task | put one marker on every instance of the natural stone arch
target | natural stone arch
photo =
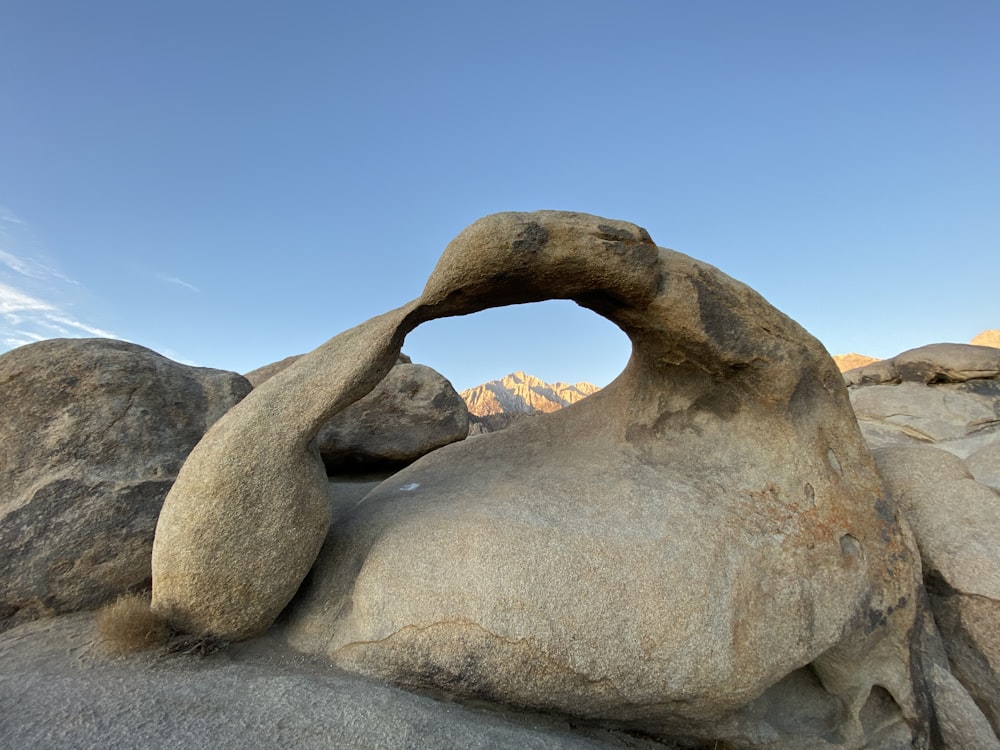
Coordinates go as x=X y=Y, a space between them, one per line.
x=728 y=415
x=254 y=481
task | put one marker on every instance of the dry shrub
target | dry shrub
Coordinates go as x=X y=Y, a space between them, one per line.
x=128 y=625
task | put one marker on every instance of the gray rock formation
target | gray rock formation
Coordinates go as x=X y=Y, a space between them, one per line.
x=92 y=434
x=960 y=723
x=956 y=521
x=931 y=364
x=947 y=395
x=413 y=411
x=961 y=418
x=703 y=549
x=984 y=464
x=923 y=412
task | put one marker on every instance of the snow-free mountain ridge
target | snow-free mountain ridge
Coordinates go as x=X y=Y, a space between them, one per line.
x=520 y=392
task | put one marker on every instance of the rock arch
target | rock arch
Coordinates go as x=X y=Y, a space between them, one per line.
x=717 y=524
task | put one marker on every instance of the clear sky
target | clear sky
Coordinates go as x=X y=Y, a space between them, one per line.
x=229 y=183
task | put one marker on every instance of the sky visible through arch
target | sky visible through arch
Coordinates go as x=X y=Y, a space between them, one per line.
x=232 y=183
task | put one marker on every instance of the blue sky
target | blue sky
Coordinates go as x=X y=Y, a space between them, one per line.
x=229 y=183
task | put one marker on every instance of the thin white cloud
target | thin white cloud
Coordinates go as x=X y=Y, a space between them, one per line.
x=179 y=282
x=8 y=216
x=27 y=318
x=81 y=326
x=25 y=266
x=17 y=235
x=13 y=301
x=52 y=329
x=35 y=298
x=12 y=342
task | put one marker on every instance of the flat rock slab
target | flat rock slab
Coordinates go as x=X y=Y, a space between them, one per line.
x=961 y=418
x=933 y=363
x=59 y=689
x=985 y=464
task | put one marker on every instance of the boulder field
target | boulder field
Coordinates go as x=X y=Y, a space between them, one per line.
x=706 y=553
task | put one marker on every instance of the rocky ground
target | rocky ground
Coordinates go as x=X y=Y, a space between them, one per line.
x=59 y=688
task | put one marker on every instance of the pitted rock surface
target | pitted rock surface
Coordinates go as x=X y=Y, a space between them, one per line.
x=669 y=554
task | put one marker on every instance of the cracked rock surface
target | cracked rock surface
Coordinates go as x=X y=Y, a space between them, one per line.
x=93 y=433
x=932 y=418
x=946 y=395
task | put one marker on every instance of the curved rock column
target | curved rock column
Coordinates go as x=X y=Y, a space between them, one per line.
x=250 y=509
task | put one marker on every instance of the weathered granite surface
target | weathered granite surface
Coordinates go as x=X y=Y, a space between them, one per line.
x=702 y=542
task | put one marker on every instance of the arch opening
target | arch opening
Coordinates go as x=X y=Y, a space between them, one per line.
x=555 y=341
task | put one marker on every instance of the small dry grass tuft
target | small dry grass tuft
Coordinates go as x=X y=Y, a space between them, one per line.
x=129 y=625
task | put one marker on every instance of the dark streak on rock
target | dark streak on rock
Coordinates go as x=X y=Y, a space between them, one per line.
x=532 y=238
x=886 y=509
x=615 y=234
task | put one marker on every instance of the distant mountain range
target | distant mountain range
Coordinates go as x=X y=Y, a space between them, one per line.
x=520 y=393
x=523 y=393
